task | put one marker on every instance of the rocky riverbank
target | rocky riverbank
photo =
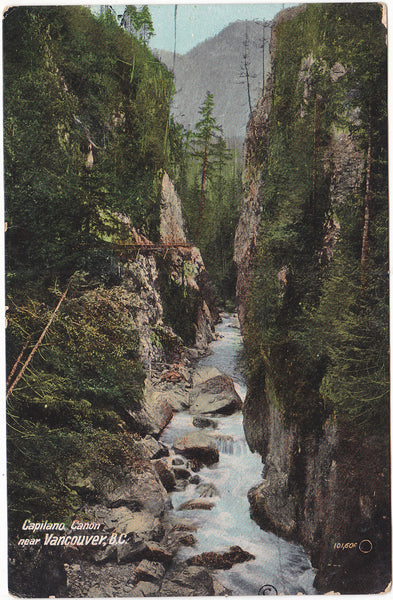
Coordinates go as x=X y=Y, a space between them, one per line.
x=129 y=498
x=133 y=504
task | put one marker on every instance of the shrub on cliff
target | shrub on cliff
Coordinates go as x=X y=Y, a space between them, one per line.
x=71 y=406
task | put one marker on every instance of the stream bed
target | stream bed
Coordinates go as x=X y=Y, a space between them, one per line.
x=279 y=567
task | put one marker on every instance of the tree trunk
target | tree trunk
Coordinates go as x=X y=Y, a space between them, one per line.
x=366 y=225
x=23 y=369
x=203 y=187
x=317 y=125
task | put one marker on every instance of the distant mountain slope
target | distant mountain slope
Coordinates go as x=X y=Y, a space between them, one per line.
x=216 y=65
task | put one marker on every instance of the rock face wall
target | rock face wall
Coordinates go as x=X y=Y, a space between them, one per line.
x=248 y=226
x=172 y=224
x=328 y=493
x=257 y=136
x=140 y=278
x=186 y=263
x=329 y=490
x=159 y=346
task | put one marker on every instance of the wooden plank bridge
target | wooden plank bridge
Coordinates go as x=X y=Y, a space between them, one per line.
x=144 y=247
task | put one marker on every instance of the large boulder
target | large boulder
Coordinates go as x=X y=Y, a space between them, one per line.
x=176 y=395
x=143 y=523
x=207 y=490
x=203 y=422
x=202 y=374
x=141 y=490
x=149 y=570
x=197 y=504
x=273 y=506
x=221 y=560
x=215 y=396
x=165 y=474
x=135 y=551
x=197 y=445
x=149 y=448
x=154 y=414
x=182 y=473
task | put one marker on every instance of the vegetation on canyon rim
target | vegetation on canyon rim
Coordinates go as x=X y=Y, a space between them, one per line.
x=317 y=326
x=88 y=134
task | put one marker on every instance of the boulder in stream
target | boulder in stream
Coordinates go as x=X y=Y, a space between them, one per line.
x=221 y=560
x=187 y=539
x=181 y=473
x=174 y=394
x=203 y=422
x=197 y=504
x=207 y=490
x=202 y=374
x=195 y=479
x=215 y=396
x=197 y=445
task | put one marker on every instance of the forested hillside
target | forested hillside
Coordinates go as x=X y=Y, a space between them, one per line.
x=87 y=137
x=316 y=314
x=325 y=301
x=87 y=93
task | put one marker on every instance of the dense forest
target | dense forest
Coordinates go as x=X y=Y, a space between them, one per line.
x=209 y=180
x=317 y=326
x=315 y=296
x=88 y=137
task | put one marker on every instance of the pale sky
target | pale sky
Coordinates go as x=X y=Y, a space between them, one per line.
x=197 y=22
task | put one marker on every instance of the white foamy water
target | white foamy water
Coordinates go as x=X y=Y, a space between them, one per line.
x=278 y=563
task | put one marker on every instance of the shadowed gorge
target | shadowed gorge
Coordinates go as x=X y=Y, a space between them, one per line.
x=197 y=340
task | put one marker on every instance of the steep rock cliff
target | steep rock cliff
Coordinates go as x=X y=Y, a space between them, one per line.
x=148 y=280
x=326 y=481
x=146 y=277
x=247 y=230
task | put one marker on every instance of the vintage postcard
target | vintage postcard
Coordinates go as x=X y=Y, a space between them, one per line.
x=197 y=291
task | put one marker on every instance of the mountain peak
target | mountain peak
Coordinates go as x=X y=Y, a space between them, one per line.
x=217 y=65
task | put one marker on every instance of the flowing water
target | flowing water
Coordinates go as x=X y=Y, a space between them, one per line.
x=278 y=563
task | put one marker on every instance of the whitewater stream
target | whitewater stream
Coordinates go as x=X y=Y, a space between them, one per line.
x=279 y=567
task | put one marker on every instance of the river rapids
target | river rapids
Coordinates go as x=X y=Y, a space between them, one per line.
x=280 y=567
